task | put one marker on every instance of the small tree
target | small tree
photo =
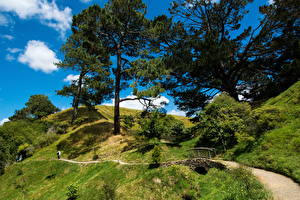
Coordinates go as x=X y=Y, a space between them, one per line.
x=72 y=192
x=156 y=155
x=38 y=106
x=223 y=123
x=156 y=124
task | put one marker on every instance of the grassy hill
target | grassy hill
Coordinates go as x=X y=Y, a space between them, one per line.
x=278 y=148
x=42 y=176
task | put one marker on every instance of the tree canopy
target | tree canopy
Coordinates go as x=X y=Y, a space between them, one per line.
x=119 y=30
x=94 y=83
x=210 y=51
x=37 y=107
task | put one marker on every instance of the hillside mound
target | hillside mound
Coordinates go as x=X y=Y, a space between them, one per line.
x=278 y=147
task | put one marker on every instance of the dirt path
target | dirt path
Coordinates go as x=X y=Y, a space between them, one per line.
x=282 y=188
x=99 y=161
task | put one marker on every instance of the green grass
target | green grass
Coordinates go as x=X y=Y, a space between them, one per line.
x=277 y=149
x=43 y=177
x=45 y=180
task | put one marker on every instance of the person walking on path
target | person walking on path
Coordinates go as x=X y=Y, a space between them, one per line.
x=58 y=154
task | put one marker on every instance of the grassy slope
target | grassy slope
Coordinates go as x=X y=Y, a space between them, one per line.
x=278 y=149
x=43 y=177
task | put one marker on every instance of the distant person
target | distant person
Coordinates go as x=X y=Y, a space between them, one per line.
x=58 y=154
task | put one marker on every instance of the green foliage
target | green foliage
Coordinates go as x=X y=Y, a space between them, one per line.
x=37 y=107
x=276 y=150
x=204 y=57
x=109 y=191
x=238 y=184
x=156 y=155
x=267 y=118
x=46 y=139
x=21 y=137
x=46 y=178
x=222 y=123
x=128 y=121
x=156 y=124
x=275 y=126
x=72 y=192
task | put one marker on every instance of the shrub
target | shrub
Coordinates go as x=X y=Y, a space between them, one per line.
x=37 y=107
x=157 y=124
x=26 y=150
x=222 y=123
x=109 y=191
x=72 y=192
x=61 y=128
x=128 y=121
x=95 y=157
x=156 y=155
x=46 y=139
x=266 y=118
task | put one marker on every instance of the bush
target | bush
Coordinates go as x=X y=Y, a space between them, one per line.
x=46 y=140
x=156 y=124
x=37 y=107
x=266 y=118
x=156 y=155
x=72 y=192
x=128 y=121
x=26 y=150
x=95 y=157
x=109 y=190
x=222 y=123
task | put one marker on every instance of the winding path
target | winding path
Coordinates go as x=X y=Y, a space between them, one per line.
x=99 y=161
x=281 y=187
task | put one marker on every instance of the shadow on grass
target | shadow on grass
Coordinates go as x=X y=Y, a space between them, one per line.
x=140 y=146
x=85 y=115
x=83 y=140
x=153 y=166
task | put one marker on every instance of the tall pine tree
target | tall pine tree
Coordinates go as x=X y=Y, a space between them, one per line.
x=215 y=53
x=121 y=27
x=94 y=83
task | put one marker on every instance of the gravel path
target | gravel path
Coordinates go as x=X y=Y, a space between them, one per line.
x=99 y=161
x=282 y=188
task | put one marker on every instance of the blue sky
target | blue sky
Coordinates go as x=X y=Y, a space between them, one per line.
x=31 y=34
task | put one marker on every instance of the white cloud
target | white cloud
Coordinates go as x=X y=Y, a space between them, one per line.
x=70 y=78
x=3 y=121
x=176 y=112
x=9 y=57
x=85 y=1
x=270 y=1
x=47 y=12
x=135 y=104
x=6 y=20
x=13 y=50
x=3 y=20
x=39 y=57
x=8 y=37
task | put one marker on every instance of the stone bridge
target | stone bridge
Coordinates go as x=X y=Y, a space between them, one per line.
x=200 y=165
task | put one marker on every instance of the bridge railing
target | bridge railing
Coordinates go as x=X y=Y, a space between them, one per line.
x=203 y=152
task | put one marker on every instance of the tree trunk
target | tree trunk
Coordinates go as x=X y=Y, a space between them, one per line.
x=117 y=126
x=75 y=103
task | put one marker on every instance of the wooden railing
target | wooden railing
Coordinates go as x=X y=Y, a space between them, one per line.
x=203 y=152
